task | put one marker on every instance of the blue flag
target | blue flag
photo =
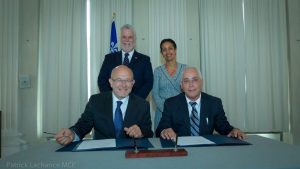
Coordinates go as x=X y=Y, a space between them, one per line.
x=113 y=38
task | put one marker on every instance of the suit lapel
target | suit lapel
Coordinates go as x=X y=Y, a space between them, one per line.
x=134 y=59
x=185 y=114
x=118 y=58
x=107 y=109
x=203 y=114
x=129 y=111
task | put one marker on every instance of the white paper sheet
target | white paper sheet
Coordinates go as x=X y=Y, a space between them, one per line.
x=193 y=140
x=96 y=144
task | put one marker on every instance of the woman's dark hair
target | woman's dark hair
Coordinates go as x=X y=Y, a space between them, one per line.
x=168 y=40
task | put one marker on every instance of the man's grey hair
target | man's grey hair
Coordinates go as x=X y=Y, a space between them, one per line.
x=130 y=27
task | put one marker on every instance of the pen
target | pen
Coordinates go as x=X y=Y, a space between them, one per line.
x=49 y=133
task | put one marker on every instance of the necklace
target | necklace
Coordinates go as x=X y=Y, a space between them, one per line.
x=171 y=69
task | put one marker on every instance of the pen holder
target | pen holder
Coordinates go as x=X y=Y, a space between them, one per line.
x=156 y=153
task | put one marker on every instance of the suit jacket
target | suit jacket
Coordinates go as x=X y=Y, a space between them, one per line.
x=176 y=116
x=140 y=65
x=98 y=115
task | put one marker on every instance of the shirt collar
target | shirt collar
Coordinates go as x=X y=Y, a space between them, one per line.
x=130 y=53
x=197 y=101
x=116 y=99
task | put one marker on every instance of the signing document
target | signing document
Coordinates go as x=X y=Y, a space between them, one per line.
x=97 y=144
x=193 y=140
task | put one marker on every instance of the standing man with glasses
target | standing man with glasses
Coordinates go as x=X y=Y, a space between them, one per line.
x=139 y=63
x=194 y=112
x=112 y=114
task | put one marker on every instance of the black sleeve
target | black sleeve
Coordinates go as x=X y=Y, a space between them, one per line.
x=104 y=75
x=85 y=123
x=147 y=84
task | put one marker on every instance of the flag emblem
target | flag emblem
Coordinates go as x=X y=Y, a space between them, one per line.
x=113 y=38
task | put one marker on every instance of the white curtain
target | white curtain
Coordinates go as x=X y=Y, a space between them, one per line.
x=167 y=19
x=266 y=65
x=62 y=79
x=9 y=51
x=244 y=61
x=101 y=15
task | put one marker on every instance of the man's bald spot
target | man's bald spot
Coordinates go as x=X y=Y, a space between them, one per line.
x=121 y=68
x=192 y=69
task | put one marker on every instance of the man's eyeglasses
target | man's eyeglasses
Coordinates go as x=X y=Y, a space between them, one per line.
x=121 y=81
x=191 y=80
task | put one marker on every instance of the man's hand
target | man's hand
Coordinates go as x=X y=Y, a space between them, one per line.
x=64 y=136
x=237 y=133
x=168 y=134
x=134 y=131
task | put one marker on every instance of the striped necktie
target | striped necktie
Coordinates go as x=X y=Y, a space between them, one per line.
x=194 y=120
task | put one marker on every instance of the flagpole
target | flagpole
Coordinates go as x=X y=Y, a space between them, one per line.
x=114 y=16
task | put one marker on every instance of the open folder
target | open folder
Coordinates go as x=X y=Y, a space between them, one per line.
x=107 y=144
x=200 y=141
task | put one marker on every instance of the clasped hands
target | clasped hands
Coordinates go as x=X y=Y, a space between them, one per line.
x=66 y=136
x=169 y=134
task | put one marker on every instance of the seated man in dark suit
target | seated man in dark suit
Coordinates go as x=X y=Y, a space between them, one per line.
x=194 y=112
x=112 y=114
x=140 y=65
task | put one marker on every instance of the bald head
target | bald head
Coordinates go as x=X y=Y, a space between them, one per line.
x=192 y=83
x=193 y=70
x=121 y=81
x=122 y=69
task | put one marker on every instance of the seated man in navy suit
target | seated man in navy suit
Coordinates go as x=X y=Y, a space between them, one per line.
x=194 y=112
x=112 y=114
x=140 y=65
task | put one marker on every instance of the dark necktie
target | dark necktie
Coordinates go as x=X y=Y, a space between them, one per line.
x=194 y=120
x=118 y=121
x=126 y=59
